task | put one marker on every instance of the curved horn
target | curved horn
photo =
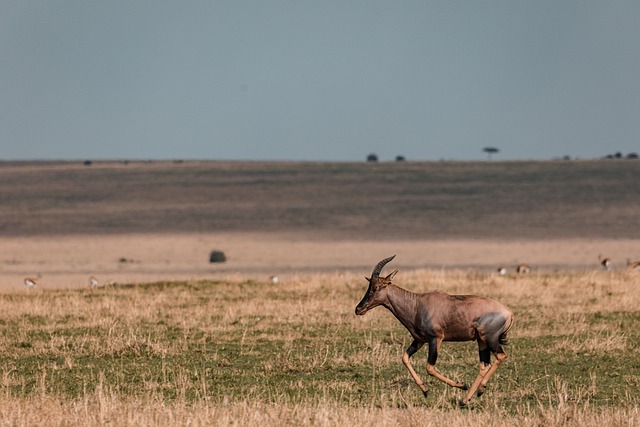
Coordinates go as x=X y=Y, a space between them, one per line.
x=378 y=268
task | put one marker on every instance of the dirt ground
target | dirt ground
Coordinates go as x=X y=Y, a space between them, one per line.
x=69 y=261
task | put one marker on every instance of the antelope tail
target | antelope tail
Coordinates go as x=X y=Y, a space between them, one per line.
x=503 y=339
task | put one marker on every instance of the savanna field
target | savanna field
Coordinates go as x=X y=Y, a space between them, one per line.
x=236 y=348
x=224 y=353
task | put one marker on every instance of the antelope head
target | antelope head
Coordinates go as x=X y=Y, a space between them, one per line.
x=377 y=288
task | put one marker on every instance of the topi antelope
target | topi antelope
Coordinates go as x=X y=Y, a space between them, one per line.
x=434 y=317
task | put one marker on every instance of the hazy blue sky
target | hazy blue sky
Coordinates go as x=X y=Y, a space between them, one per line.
x=318 y=80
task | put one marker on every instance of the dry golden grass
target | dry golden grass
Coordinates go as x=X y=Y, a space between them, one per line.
x=106 y=410
x=293 y=353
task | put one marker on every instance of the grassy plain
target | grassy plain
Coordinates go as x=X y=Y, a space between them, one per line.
x=294 y=353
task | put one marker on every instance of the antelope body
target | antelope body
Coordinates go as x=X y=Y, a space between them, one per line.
x=434 y=317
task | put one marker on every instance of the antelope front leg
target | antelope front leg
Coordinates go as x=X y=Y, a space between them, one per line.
x=415 y=346
x=434 y=346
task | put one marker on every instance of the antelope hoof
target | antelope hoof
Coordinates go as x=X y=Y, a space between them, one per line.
x=463 y=386
x=462 y=403
x=425 y=393
x=480 y=391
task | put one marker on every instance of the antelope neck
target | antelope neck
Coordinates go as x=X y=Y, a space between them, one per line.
x=403 y=305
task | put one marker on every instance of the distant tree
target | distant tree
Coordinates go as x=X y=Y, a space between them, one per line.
x=372 y=158
x=632 y=156
x=400 y=159
x=490 y=151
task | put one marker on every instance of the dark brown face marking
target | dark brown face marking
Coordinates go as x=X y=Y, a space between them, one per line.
x=373 y=297
x=361 y=307
x=367 y=301
x=376 y=283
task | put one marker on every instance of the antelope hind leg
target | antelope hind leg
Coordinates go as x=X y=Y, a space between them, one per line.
x=485 y=360
x=500 y=357
x=486 y=372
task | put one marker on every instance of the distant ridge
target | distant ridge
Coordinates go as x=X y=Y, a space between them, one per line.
x=414 y=200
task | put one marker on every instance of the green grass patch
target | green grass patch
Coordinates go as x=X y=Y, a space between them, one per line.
x=298 y=343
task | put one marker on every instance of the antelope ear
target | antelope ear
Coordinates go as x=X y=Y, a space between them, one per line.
x=391 y=275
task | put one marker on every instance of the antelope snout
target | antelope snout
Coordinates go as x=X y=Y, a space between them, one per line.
x=360 y=310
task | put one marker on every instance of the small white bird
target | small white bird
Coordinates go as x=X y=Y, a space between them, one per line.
x=93 y=282
x=30 y=282
x=274 y=279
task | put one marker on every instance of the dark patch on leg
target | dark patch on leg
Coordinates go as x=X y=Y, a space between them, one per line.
x=413 y=348
x=485 y=356
x=433 y=352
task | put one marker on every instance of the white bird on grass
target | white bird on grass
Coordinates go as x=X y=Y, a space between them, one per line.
x=30 y=282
